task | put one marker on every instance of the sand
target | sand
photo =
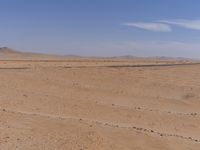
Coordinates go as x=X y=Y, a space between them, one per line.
x=99 y=104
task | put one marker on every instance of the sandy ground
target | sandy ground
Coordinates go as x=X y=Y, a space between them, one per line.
x=95 y=105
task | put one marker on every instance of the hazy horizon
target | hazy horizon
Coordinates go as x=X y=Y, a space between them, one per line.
x=92 y=56
x=102 y=28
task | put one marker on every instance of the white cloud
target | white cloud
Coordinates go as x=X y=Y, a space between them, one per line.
x=190 y=24
x=158 y=27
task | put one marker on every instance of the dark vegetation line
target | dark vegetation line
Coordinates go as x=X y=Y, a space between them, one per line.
x=14 y=68
x=134 y=66
x=154 y=65
x=112 y=66
x=67 y=60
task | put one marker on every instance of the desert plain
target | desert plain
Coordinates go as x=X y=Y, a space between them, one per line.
x=98 y=103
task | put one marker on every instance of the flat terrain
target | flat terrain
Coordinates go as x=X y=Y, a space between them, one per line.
x=99 y=104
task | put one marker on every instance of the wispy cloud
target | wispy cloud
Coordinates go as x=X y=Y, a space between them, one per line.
x=158 y=27
x=190 y=24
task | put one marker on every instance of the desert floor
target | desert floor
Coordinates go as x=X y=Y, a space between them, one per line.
x=99 y=105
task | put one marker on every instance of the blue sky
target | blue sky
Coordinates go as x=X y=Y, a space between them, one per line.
x=102 y=27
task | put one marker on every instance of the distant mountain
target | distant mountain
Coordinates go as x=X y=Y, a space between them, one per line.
x=7 y=50
x=126 y=57
x=162 y=58
x=10 y=54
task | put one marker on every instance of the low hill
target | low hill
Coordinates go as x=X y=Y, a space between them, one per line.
x=10 y=54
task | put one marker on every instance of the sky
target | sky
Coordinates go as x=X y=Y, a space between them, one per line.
x=168 y=28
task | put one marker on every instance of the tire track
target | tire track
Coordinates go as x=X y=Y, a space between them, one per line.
x=103 y=124
x=192 y=114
